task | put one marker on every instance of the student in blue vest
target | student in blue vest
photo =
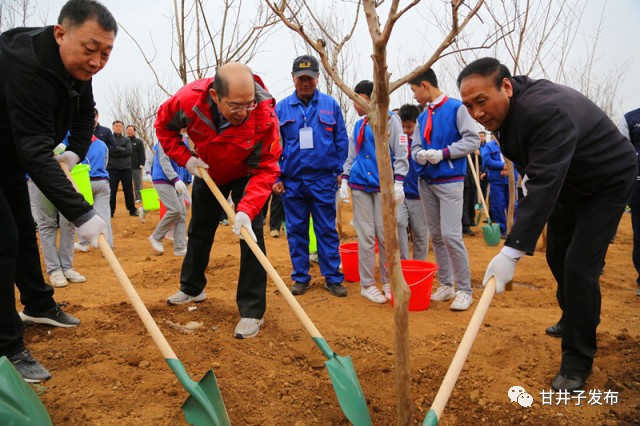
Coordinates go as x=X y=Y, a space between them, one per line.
x=630 y=127
x=443 y=137
x=411 y=211
x=361 y=175
x=314 y=148
x=97 y=158
x=171 y=190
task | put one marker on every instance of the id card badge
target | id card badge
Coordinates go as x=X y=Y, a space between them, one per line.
x=306 y=138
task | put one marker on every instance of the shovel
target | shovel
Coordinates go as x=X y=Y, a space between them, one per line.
x=440 y=401
x=19 y=404
x=491 y=231
x=341 y=371
x=204 y=406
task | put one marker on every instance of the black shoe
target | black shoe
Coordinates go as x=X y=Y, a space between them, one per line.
x=503 y=236
x=30 y=369
x=570 y=381
x=555 y=330
x=54 y=316
x=336 y=289
x=299 y=288
x=133 y=213
x=468 y=231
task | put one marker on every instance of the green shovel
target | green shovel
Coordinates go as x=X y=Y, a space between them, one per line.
x=19 y=404
x=449 y=381
x=341 y=371
x=204 y=406
x=491 y=231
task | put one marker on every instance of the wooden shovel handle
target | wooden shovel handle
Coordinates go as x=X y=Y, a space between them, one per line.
x=462 y=353
x=477 y=180
x=273 y=274
x=125 y=283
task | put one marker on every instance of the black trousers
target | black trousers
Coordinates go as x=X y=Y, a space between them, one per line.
x=19 y=264
x=251 y=294
x=277 y=212
x=115 y=177
x=578 y=235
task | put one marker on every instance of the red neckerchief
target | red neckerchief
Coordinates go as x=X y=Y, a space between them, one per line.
x=427 y=128
x=361 y=135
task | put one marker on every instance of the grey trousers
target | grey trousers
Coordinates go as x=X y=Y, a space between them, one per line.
x=46 y=216
x=175 y=216
x=367 y=219
x=411 y=213
x=443 y=206
x=136 y=175
x=101 y=204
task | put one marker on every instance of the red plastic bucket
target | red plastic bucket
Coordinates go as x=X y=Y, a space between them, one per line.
x=419 y=277
x=349 y=257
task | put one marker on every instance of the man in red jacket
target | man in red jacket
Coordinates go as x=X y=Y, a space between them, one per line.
x=231 y=121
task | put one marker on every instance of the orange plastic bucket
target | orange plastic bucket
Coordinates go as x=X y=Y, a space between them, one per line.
x=419 y=277
x=349 y=257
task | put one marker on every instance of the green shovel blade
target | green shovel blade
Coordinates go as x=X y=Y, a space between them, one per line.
x=491 y=233
x=431 y=419
x=204 y=406
x=19 y=405
x=345 y=383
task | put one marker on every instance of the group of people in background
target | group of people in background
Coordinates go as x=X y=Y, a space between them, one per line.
x=578 y=174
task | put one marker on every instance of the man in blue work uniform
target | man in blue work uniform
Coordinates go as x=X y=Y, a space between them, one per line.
x=314 y=148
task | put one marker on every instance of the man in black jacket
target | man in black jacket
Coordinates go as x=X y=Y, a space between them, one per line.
x=137 y=161
x=46 y=91
x=119 y=168
x=579 y=173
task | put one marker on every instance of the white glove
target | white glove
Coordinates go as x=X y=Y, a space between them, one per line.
x=344 y=191
x=180 y=187
x=421 y=157
x=69 y=157
x=242 y=220
x=502 y=267
x=398 y=187
x=91 y=229
x=434 y=156
x=523 y=186
x=193 y=164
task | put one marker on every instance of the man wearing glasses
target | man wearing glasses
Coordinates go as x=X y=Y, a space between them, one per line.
x=231 y=122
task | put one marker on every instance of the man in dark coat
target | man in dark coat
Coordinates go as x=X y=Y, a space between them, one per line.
x=579 y=173
x=45 y=93
x=137 y=161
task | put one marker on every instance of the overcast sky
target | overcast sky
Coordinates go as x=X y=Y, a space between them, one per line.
x=411 y=41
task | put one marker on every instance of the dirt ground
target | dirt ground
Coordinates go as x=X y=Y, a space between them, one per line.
x=108 y=371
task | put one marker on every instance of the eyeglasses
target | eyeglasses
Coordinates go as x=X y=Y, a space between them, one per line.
x=234 y=107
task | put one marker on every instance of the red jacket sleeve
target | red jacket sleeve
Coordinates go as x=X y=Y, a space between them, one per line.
x=170 y=119
x=264 y=170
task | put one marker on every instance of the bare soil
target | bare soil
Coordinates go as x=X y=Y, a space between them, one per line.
x=108 y=371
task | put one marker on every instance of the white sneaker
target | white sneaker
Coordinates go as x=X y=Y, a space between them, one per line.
x=181 y=298
x=81 y=247
x=74 y=276
x=462 y=302
x=248 y=327
x=157 y=245
x=373 y=293
x=180 y=252
x=313 y=257
x=386 y=289
x=443 y=293
x=57 y=279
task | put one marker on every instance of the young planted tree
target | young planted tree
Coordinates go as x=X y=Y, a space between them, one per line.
x=299 y=16
x=138 y=106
